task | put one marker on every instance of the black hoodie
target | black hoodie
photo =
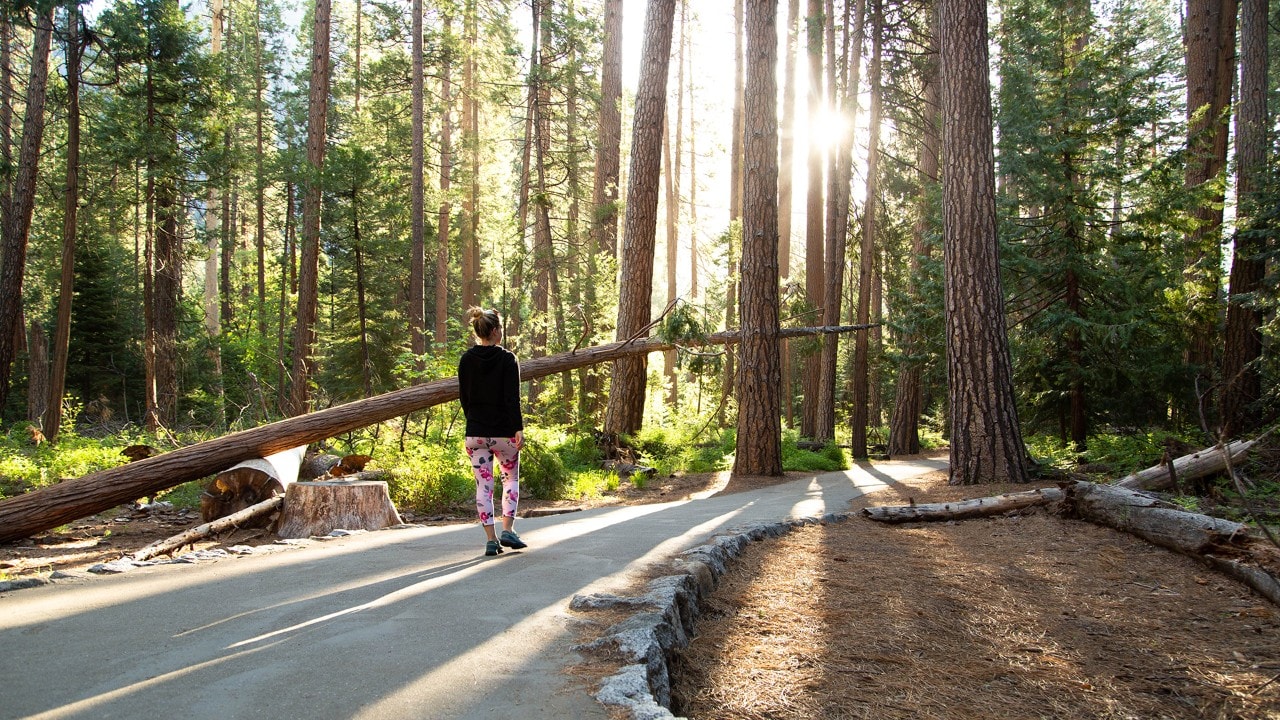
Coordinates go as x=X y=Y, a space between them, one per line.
x=489 y=390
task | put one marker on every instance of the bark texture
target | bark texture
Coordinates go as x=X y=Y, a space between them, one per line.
x=986 y=442
x=625 y=413
x=760 y=370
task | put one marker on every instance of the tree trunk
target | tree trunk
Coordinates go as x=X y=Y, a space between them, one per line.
x=6 y=119
x=760 y=374
x=13 y=261
x=787 y=146
x=417 y=214
x=319 y=508
x=57 y=372
x=904 y=425
x=259 y=174
x=964 y=509
x=1210 y=42
x=986 y=441
x=735 y=203
x=814 y=263
x=625 y=413
x=38 y=383
x=446 y=169
x=213 y=245
x=167 y=288
x=309 y=266
x=543 y=250
x=1186 y=468
x=1240 y=374
x=58 y=504
x=866 y=254
x=672 y=148
x=471 y=139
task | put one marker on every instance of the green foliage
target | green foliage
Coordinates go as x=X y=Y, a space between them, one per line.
x=542 y=471
x=1118 y=452
x=828 y=459
x=23 y=467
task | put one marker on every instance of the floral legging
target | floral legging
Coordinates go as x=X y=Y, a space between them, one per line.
x=484 y=451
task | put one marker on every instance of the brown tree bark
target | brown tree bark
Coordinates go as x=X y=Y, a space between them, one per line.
x=1240 y=376
x=908 y=405
x=735 y=202
x=52 y=416
x=417 y=191
x=470 y=221
x=1210 y=42
x=259 y=173
x=38 y=376
x=604 y=196
x=446 y=170
x=166 y=290
x=867 y=253
x=760 y=372
x=986 y=441
x=13 y=261
x=543 y=250
x=815 y=241
x=55 y=505
x=625 y=412
x=672 y=149
x=787 y=144
x=6 y=116
x=309 y=266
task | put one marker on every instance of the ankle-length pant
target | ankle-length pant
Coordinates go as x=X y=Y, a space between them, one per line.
x=488 y=454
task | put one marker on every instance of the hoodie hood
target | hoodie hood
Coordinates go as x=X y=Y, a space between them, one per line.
x=488 y=355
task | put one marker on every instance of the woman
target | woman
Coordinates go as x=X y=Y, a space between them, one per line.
x=489 y=389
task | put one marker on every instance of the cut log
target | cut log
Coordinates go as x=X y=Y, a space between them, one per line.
x=55 y=505
x=199 y=532
x=977 y=507
x=319 y=508
x=1186 y=468
x=250 y=482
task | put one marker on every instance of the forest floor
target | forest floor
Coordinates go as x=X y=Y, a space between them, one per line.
x=1028 y=616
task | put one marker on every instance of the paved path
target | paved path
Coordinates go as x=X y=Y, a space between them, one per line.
x=410 y=623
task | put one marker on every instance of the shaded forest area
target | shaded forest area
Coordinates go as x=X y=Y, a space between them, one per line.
x=1056 y=219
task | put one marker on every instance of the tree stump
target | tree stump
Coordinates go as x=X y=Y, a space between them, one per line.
x=249 y=483
x=318 y=508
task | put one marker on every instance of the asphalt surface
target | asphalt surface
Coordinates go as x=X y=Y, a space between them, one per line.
x=404 y=623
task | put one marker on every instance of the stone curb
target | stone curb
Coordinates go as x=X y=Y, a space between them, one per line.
x=663 y=618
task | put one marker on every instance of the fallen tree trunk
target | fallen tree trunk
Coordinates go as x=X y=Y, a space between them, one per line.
x=199 y=532
x=249 y=482
x=69 y=500
x=977 y=507
x=1186 y=468
x=1222 y=544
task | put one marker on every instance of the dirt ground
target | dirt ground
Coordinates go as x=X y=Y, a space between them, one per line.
x=1030 y=616
x=1018 y=617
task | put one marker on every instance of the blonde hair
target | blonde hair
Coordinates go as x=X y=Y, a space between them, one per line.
x=483 y=322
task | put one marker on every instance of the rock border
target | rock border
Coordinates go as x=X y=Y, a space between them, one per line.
x=663 y=618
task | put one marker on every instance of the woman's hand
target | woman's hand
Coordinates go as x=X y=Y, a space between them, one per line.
x=519 y=438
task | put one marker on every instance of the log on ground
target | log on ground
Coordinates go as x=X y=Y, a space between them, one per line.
x=1186 y=468
x=976 y=507
x=319 y=508
x=243 y=518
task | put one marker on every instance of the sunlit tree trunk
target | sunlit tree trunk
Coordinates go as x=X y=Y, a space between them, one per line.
x=543 y=251
x=446 y=170
x=672 y=149
x=1240 y=375
x=52 y=416
x=259 y=173
x=417 y=191
x=625 y=412
x=759 y=449
x=814 y=270
x=470 y=220
x=6 y=117
x=309 y=263
x=14 y=258
x=787 y=143
x=213 y=246
x=986 y=441
x=735 y=202
x=866 y=254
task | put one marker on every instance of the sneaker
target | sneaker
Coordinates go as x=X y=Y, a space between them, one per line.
x=512 y=540
x=492 y=548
